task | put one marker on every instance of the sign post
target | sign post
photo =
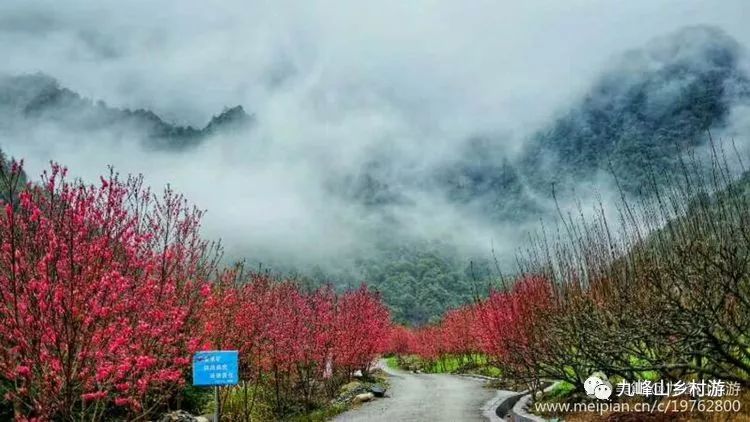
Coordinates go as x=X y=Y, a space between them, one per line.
x=217 y=399
x=215 y=368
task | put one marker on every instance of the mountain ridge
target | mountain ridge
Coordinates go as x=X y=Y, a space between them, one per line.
x=40 y=97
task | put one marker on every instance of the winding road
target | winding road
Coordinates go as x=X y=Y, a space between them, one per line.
x=425 y=397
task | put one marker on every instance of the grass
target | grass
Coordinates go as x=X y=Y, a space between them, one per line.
x=561 y=390
x=320 y=415
x=234 y=398
x=475 y=364
x=447 y=365
x=392 y=362
x=490 y=371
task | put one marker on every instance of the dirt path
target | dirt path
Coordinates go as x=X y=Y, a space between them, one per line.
x=425 y=397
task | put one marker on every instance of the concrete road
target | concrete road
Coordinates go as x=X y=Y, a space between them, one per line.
x=425 y=397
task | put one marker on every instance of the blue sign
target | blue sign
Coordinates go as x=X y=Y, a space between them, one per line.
x=216 y=367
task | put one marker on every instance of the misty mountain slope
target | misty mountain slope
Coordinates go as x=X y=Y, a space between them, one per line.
x=486 y=180
x=38 y=98
x=652 y=106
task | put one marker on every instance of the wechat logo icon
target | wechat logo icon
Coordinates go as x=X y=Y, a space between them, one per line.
x=597 y=386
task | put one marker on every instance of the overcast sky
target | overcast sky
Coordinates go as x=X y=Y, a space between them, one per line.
x=329 y=82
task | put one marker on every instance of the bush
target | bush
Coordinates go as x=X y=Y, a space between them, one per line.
x=99 y=287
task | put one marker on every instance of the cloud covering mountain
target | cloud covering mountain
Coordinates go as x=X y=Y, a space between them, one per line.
x=372 y=126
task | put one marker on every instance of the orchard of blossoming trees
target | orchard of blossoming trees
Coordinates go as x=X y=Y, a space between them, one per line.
x=295 y=343
x=502 y=329
x=106 y=290
x=663 y=293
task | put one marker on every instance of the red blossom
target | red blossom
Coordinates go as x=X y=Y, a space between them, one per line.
x=106 y=295
x=99 y=286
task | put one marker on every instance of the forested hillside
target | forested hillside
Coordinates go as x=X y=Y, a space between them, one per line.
x=642 y=115
x=637 y=121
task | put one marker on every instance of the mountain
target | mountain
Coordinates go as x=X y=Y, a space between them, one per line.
x=638 y=118
x=31 y=99
x=651 y=107
x=644 y=112
x=488 y=182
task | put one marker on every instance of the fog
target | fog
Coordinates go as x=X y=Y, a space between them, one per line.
x=332 y=86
